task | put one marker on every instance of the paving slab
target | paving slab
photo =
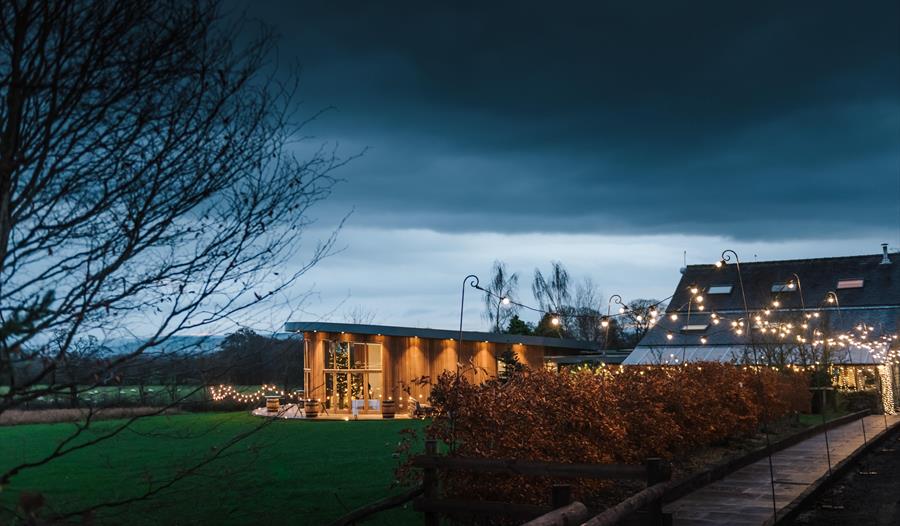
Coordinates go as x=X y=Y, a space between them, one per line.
x=744 y=498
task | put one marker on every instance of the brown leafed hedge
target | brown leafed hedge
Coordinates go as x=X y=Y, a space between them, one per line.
x=613 y=415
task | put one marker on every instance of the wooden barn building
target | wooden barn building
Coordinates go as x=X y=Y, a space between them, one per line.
x=353 y=367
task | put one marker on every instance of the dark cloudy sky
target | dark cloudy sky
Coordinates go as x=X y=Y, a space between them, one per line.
x=610 y=136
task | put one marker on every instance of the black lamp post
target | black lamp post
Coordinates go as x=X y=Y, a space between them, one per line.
x=726 y=257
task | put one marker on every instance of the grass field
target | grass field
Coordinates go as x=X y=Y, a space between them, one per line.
x=297 y=472
x=153 y=394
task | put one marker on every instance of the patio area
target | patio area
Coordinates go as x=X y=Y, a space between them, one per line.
x=295 y=411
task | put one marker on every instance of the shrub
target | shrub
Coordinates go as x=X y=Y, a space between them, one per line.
x=611 y=415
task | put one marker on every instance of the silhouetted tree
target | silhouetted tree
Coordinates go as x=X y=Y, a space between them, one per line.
x=517 y=326
x=552 y=291
x=145 y=181
x=508 y=364
x=638 y=319
x=503 y=284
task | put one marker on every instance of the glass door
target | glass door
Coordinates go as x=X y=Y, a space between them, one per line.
x=353 y=379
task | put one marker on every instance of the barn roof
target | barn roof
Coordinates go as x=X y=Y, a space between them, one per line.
x=866 y=287
x=440 y=334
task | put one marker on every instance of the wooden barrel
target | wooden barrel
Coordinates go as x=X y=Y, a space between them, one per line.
x=273 y=404
x=311 y=408
x=388 y=408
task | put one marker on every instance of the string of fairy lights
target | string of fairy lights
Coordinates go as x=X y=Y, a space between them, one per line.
x=860 y=336
x=221 y=392
x=802 y=331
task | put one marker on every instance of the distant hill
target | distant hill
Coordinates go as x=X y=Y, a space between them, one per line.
x=175 y=344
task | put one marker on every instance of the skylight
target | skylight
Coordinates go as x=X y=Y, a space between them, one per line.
x=695 y=328
x=783 y=287
x=719 y=289
x=850 y=284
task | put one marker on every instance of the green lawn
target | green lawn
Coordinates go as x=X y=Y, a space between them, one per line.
x=153 y=394
x=298 y=472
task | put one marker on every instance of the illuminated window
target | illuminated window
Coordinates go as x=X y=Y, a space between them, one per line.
x=719 y=289
x=352 y=377
x=695 y=328
x=850 y=284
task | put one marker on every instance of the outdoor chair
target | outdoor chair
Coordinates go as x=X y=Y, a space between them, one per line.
x=418 y=410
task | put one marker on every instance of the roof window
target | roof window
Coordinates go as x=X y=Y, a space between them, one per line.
x=719 y=289
x=695 y=328
x=787 y=286
x=850 y=284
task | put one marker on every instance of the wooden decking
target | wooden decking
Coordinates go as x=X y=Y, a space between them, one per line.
x=293 y=412
x=744 y=498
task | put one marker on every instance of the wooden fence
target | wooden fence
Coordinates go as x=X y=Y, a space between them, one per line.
x=560 y=509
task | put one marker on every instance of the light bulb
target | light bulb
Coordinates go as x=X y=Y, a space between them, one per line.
x=554 y=320
x=673 y=316
x=505 y=301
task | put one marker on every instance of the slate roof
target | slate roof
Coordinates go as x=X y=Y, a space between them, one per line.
x=881 y=283
x=876 y=304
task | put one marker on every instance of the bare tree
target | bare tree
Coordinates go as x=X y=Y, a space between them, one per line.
x=552 y=292
x=359 y=315
x=503 y=284
x=585 y=322
x=640 y=316
x=146 y=180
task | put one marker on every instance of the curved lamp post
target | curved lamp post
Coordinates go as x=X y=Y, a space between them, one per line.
x=726 y=257
x=472 y=281
x=605 y=322
x=824 y=365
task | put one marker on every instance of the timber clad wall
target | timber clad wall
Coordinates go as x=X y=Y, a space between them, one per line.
x=405 y=359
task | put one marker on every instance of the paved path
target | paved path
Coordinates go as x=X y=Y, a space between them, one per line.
x=744 y=498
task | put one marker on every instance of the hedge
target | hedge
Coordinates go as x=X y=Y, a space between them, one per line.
x=611 y=415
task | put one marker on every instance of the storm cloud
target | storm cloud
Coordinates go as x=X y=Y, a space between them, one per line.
x=620 y=138
x=756 y=120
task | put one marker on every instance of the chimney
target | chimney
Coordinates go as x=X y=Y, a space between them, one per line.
x=885 y=260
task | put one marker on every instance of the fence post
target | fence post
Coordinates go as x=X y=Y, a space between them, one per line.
x=430 y=484
x=657 y=471
x=560 y=495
